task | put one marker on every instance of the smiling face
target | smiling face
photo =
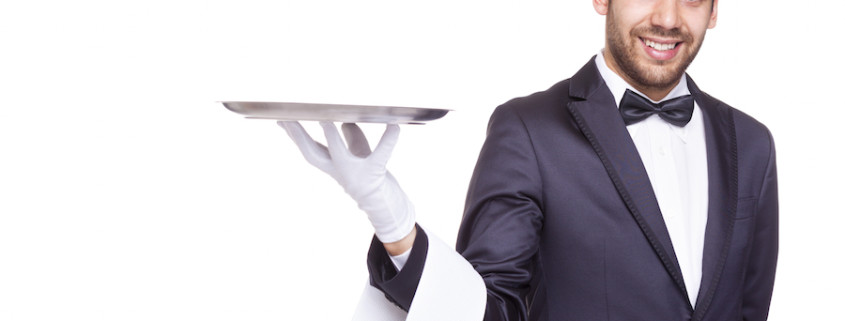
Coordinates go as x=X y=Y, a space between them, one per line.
x=650 y=43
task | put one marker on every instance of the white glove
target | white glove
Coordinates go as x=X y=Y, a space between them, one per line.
x=361 y=173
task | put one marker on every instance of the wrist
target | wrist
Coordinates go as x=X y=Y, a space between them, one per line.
x=402 y=245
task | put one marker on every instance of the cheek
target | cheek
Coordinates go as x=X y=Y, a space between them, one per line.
x=628 y=18
x=698 y=20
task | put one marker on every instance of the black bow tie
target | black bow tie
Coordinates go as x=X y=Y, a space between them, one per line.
x=634 y=108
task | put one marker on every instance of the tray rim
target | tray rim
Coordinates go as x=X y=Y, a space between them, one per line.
x=232 y=105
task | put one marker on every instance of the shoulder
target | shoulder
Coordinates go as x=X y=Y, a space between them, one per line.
x=746 y=126
x=537 y=106
x=752 y=144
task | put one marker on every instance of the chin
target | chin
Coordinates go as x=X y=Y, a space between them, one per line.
x=661 y=75
x=653 y=73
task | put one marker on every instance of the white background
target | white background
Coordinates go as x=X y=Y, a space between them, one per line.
x=128 y=193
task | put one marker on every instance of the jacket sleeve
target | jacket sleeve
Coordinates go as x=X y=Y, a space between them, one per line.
x=399 y=287
x=760 y=271
x=435 y=284
x=500 y=231
x=499 y=237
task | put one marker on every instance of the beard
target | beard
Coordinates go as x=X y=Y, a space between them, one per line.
x=648 y=74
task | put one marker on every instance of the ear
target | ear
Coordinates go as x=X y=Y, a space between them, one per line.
x=713 y=14
x=601 y=6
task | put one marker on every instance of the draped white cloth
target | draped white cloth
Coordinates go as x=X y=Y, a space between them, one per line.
x=449 y=289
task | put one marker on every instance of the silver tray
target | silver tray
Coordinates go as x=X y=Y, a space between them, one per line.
x=332 y=112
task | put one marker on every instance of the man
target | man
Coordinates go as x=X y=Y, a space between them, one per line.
x=622 y=193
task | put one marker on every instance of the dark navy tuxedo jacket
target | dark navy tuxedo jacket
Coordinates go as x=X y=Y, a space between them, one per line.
x=562 y=223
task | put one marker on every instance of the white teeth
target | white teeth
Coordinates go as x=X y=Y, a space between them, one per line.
x=659 y=46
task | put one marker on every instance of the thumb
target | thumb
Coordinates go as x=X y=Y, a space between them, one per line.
x=356 y=140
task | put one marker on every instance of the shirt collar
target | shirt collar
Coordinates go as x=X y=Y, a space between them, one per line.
x=617 y=87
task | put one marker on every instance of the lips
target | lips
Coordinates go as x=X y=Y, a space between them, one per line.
x=661 y=49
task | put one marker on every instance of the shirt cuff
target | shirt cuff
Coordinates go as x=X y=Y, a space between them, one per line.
x=400 y=260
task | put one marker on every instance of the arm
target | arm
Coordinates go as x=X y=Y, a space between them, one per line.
x=500 y=231
x=760 y=272
x=448 y=287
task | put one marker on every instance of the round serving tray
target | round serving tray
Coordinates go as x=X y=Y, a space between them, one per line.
x=334 y=112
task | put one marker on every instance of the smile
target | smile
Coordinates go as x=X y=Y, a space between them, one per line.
x=661 y=50
x=660 y=46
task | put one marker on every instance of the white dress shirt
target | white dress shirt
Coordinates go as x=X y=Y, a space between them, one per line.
x=675 y=159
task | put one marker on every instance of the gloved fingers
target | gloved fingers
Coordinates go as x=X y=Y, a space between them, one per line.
x=335 y=144
x=315 y=153
x=356 y=140
x=385 y=146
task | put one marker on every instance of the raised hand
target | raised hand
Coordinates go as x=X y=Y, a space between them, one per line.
x=362 y=173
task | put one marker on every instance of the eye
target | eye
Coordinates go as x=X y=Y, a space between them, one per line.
x=693 y=2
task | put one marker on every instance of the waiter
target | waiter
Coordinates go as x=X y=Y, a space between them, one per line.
x=622 y=193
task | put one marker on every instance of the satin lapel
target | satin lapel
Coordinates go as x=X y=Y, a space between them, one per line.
x=596 y=114
x=720 y=136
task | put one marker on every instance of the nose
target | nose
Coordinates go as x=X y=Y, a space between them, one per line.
x=666 y=14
